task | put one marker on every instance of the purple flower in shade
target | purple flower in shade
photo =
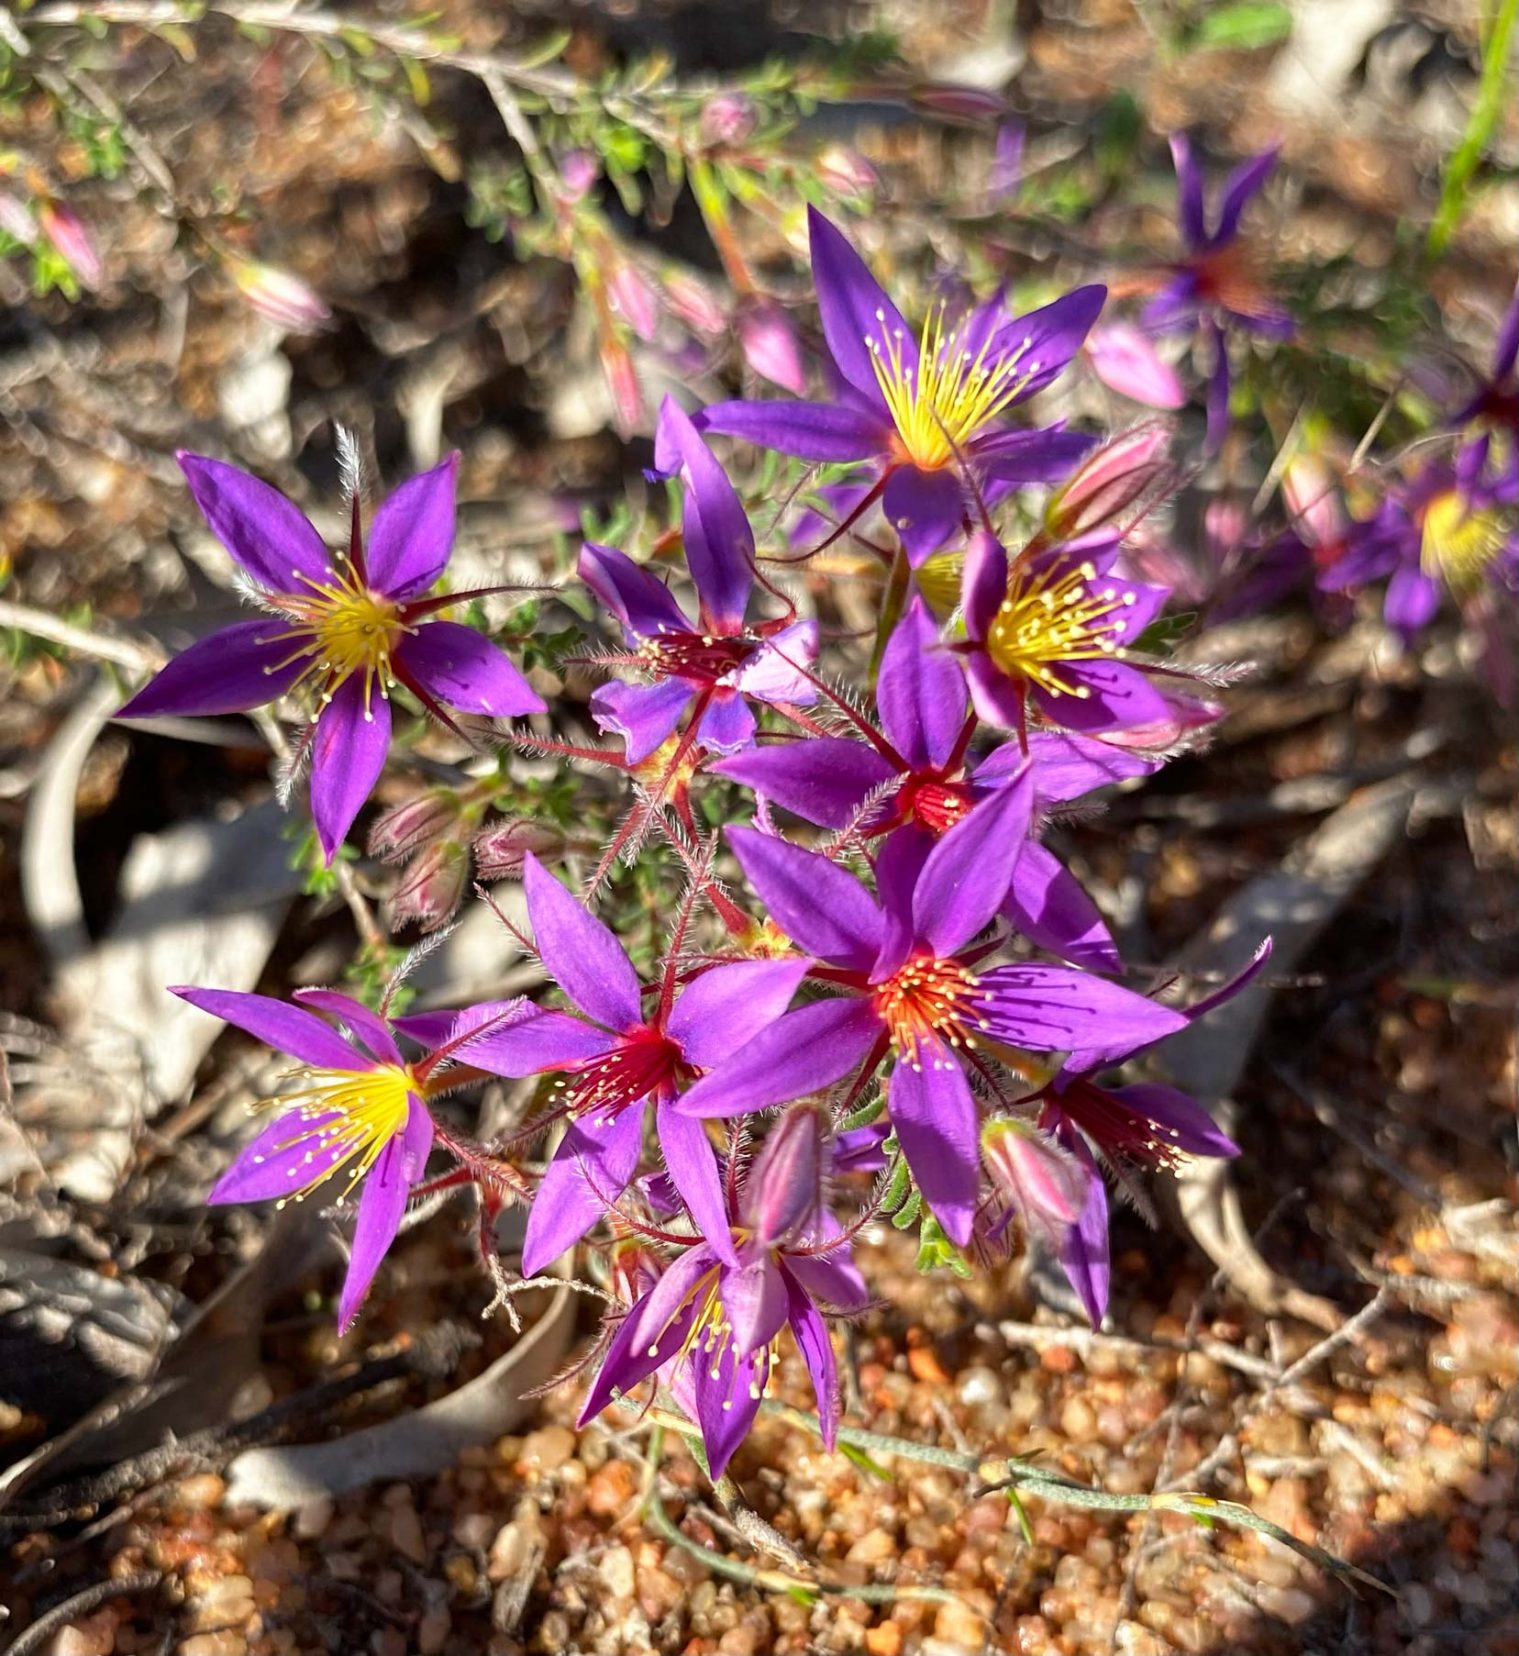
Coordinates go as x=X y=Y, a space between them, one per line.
x=1054 y=631
x=1141 y=1126
x=914 y=776
x=719 y=662
x=1495 y=404
x=1215 y=284
x=346 y=628
x=915 y=990
x=617 y=1056
x=1451 y=527
x=913 y=409
x=710 y=1322
x=358 y=1108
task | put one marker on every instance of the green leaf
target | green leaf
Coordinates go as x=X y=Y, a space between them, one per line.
x=1246 y=27
x=858 y=1457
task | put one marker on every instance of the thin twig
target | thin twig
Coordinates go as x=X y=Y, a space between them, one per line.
x=33 y=1638
x=39 y=624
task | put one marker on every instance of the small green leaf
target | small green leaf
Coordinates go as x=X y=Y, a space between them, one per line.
x=1246 y=27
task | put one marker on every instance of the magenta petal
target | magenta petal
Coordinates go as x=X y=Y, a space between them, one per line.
x=413 y=533
x=1240 y=187
x=1047 y=904
x=692 y=1165
x=823 y=779
x=541 y=1041
x=284 y=1027
x=592 y=1166
x=727 y=726
x=1119 y=697
x=997 y=699
x=967 y=873
x=644 y=715
x=635 y=595
x=754 y=1296
x=268 y=535
x=652 y=1332
x=1182 y=1121
x=823 y=432
x=1046 y=339
x=728 y=1005
x=347 y=755
x=1066 y=766
x=833 y=1279
x=1056 y=1008
x=1410 y=603
x=812 y=899
x=936 y=1124
x=228 y=671
x=460 y=667
x=1189 y=191
x=368 y=1026
x=1042 y=456
x=273 y=1164
x=924 y=507
x=1123 y=358
x=585 y=959
x=388 y=1183
x=983 y=583
x=854 y=309
x=719 y=543
x=773 y=673
x=800 y=1053
x=1084 y=1245
x=920 y=693
x=811 y=1334
x=726 y=1391
x=448 y=1023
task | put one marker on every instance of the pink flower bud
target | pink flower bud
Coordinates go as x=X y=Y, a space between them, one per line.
x=432 y=887
x=959 y=103
x=622 y=382
x=578 y=171
x=1045 y=1183
x=398 y=831
x=66 y=231
x=500 y=848
x=283 y=298
x=634 y=298
x=1123 y=358
x=845 y=171
x=728 y=118
x=1110 y=480
x=1314 y=504
x=768 y=338
x=784 y=1191
x=694 y=303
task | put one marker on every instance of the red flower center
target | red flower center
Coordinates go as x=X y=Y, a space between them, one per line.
x=929 y=1000
x=929 y=799
x=701 y=659
x=641 y=1063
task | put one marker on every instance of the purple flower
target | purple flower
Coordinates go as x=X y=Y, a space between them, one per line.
x=1055 y=630
x=617 y=1056
x=1450 y=528
x=913 y=775
x=359 y=1108
x=720 y=661
x=1216 y=284
x=347 y=628
x=914 y=990
x=912 y=408
x=710 y=1323
x=1495 y=404
x=1144 y=1125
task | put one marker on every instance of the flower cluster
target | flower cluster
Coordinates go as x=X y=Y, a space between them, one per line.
x=880 y=992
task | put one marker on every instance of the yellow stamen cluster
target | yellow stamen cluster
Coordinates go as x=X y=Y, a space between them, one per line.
x=930 y=1000
x=942 y=403
x=349 y=1117
x=710 y=1335
x=1055 y=613
x=1458 y=544
x=341 y=629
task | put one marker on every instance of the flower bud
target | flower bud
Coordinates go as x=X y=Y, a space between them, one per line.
x=283 y=298
x=432 y=887
x=728 y=118
x=425 y=816
x=16 y=220
x=768 y=338
x=694 y=303
x=1110 y=480
x=622 y=382
x=1044 y=1182
x=784 y=1191
x=578 y=171
x=66 y=231
x=959 y=103
x=1123 y=358
x=634 y=298
x=845 y=171
x=500 y=848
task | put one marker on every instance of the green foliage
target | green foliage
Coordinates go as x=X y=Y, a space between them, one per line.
x=1491 y=101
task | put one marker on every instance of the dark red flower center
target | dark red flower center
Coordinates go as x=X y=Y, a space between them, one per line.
x=1115 y=1127
x=701 y=659
x=641 y=1063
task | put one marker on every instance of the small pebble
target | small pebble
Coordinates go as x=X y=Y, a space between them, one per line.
x=548 y=1448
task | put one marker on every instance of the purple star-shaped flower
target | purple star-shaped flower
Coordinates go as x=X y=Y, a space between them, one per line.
x=719 y=662
x=359 y=1108
x=617 y=1056
x=915 y=990
x=710 y=1322
x=347 y=628
x=914 y=776
x=914 y=408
